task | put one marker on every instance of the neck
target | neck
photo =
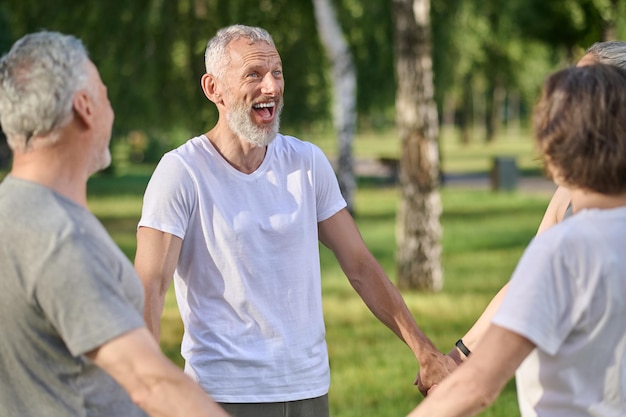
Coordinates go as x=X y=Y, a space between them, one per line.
x=53 y=169
x=585 y=199
x=239 y=153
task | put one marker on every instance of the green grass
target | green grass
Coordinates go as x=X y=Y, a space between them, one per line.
x=372 y=371
x=484 y=236
x=456 y=157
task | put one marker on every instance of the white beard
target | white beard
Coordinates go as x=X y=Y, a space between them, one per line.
x=101 y=161
x=240 y=123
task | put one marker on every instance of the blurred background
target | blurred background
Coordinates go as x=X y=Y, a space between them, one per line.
x=489 y=58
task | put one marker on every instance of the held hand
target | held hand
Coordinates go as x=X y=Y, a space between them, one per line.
x=457 y=356
x=435 y=371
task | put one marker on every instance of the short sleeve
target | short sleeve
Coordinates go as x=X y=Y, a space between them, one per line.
x=169 y=198
x=328 y=195
x=89 y=294
x=540 y=303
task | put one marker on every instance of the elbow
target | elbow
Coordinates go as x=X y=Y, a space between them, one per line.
x=140 y=397
x=484 y=396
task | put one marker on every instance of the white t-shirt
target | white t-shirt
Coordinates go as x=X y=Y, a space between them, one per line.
x=248 y=280
x=568 y=296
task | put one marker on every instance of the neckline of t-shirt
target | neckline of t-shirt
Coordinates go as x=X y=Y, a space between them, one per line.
x=269 y=153
x=13 y=181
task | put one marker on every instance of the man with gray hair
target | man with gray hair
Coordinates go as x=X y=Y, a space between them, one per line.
x=236 y=216
x=73 y=339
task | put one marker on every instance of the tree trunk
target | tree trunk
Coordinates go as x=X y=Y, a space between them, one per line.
x=418 y=221
x=493 y=113
x=609 y=29
x=344 y=93
x=513 y=122
x=466 y=113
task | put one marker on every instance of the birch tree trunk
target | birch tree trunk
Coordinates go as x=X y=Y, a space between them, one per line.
x=418 y=219
x=344 y=93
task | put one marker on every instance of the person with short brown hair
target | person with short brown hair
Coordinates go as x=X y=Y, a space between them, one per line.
x=561 y=326
x=559 y=207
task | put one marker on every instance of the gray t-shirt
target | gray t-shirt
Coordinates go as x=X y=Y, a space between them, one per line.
x=65 y=289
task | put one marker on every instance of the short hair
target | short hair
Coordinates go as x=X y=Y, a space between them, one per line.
x=580 y=127
x=39 y=77
x=215 y=55
x=610 y=53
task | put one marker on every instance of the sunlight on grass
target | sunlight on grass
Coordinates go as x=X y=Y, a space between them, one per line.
x=456 y=157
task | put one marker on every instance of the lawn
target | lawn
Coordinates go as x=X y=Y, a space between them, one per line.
x=372 y=371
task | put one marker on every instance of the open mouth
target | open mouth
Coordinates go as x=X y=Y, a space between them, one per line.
x=265 y=110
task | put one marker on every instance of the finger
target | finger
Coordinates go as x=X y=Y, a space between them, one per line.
x=420 y=386
x=431 y=389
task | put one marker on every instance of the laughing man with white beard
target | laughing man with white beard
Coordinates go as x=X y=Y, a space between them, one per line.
x=235 y=216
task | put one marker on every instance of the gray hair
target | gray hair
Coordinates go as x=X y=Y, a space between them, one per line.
x=609 y=53
x=215 y=55
x=39 y=77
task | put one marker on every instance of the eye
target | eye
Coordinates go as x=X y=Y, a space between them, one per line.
x=278 y=73
x=252 y=75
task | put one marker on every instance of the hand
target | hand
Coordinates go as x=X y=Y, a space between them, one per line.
x=457 y=356
x=435 y=370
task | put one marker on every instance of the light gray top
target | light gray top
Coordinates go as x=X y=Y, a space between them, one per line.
x=65 y=289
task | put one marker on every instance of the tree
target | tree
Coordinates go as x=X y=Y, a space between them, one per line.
x=418 y=218
x=344 y=96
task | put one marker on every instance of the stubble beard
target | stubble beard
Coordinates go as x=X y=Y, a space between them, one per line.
x=101 y=161
x=241 y=124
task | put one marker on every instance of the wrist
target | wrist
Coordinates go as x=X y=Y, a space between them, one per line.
x=463 y=350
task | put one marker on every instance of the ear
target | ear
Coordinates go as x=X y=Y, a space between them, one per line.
x=83 y=108
x=210 y=88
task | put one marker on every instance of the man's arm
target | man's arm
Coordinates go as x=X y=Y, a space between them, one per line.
x=341 y=235
x=554 y=214
x=556 y=208
x=155 y=261
x=477 y=383
x=479 y=328
x=155 y=384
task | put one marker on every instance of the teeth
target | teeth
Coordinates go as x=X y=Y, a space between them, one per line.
x=262 y=105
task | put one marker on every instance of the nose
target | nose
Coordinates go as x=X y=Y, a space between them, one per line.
x=271 y=85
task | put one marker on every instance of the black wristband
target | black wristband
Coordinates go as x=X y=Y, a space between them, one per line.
x=463 y=348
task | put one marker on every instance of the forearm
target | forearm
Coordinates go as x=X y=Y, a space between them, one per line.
x=155 y=262
x=478 y=330
x=464 y=394
x=153 y=310
x=477 y=383
x=156 y=385
x=386 y=303
x=172 y=393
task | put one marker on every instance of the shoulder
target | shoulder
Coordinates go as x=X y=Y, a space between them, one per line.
x=292 y=145
x=188 y=149
x=183 y=159
x=577 y=236
x=40 y=207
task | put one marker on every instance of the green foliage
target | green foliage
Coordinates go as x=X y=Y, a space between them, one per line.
x=566 y=23
x=150 y=52
x=368 y=29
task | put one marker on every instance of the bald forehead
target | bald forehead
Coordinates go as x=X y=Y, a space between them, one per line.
x=588 y=59
x=243 y=50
